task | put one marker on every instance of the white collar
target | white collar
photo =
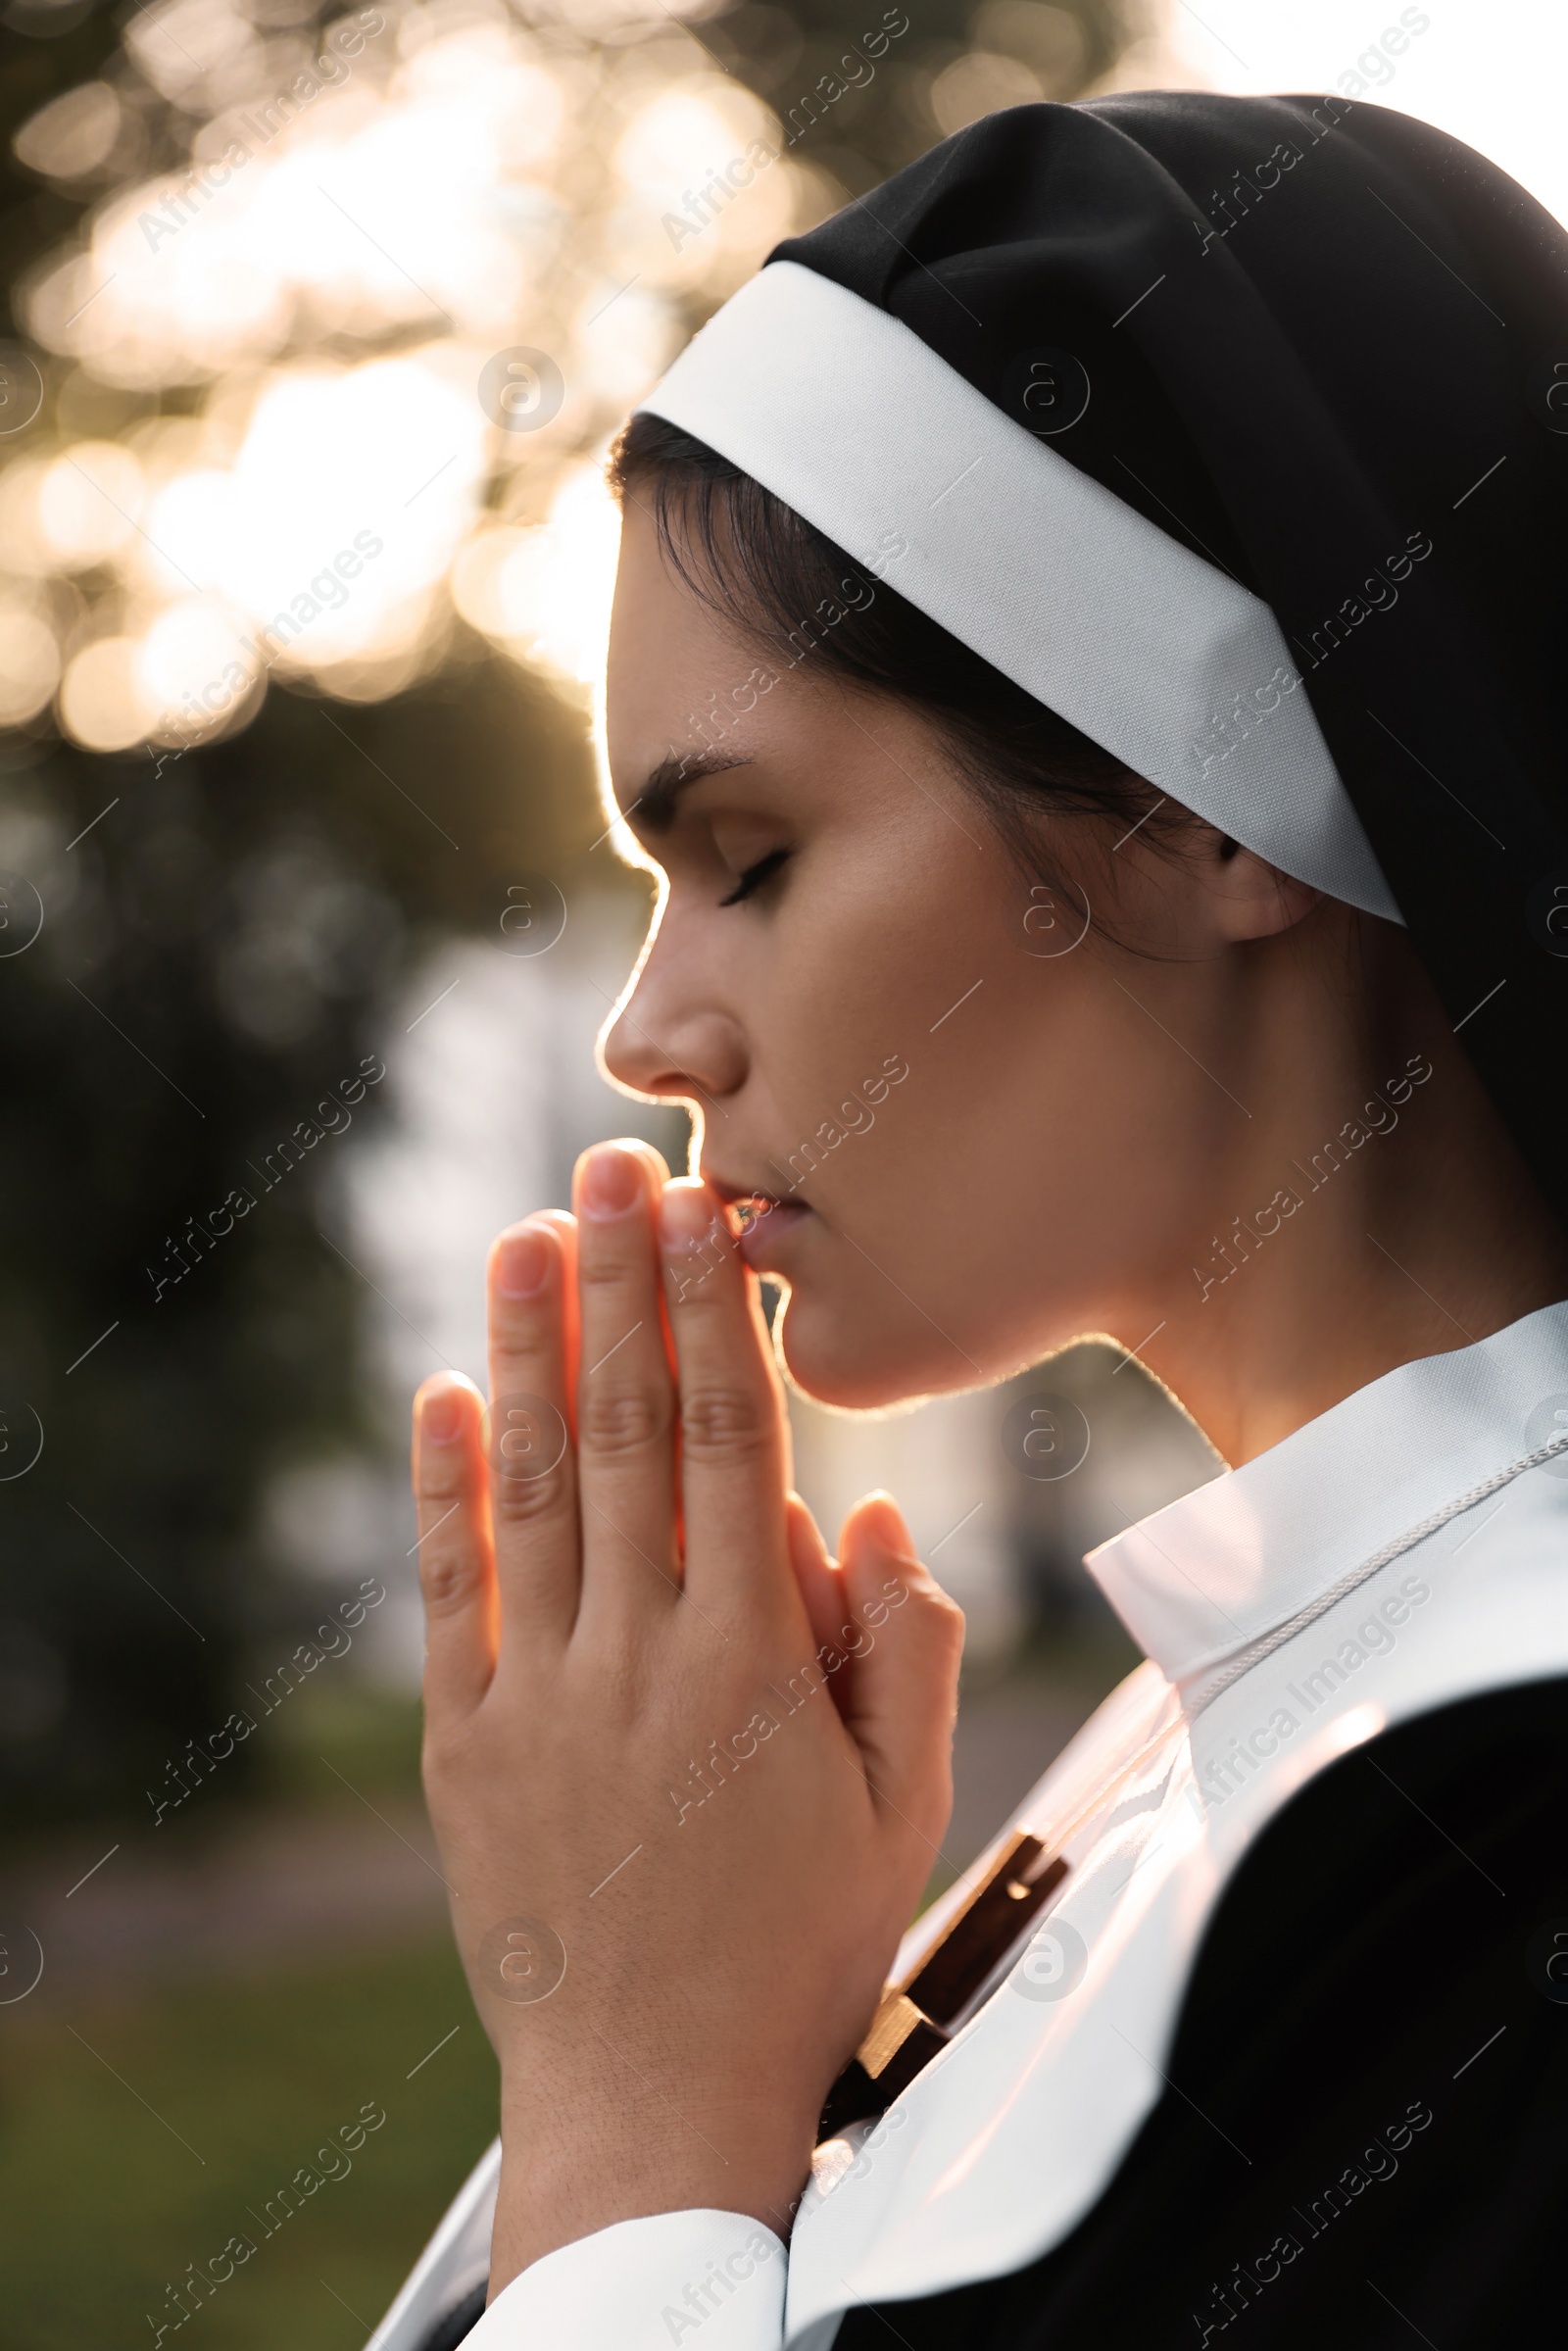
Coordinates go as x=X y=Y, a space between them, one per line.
x=1197 y=1581
x=999 y=2147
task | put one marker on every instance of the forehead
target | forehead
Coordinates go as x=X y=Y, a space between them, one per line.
x=684 y=687
x=668 y=656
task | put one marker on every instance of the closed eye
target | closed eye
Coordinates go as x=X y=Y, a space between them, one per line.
x=755 y=877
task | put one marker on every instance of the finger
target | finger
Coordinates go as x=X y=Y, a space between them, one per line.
x=653 y=1157
x=823 y=1592
x=732 y=1442
x=902 y=1698
x=565 y=1225
x=625 y=1392
x=533 y=1501
x=457 y=1575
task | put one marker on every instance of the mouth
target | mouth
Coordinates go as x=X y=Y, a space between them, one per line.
x=766 y=1220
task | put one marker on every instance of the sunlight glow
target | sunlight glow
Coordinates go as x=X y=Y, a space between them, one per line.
x=373 y=212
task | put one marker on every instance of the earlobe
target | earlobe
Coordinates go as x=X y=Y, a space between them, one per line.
x=1252 y=899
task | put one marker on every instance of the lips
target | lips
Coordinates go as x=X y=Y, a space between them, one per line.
x=766 y=1220
x=763 y=1238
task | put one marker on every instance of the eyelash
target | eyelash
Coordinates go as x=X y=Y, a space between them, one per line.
x=755 y=877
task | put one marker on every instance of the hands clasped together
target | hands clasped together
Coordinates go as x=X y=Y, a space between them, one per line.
x=687 y=1772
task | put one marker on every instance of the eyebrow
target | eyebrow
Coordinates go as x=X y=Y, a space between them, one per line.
x=670 y=778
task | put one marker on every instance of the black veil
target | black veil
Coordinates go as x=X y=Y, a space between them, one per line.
x=1326 y=346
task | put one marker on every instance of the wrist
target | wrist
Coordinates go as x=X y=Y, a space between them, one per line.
x=567 y=2176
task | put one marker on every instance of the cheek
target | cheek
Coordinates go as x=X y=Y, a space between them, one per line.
x=1008 y=1193
x=847 y=1028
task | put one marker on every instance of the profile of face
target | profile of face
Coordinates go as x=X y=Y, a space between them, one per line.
x=989 y=1126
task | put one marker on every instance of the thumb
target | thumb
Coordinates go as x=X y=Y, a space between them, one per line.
x=905 y=1691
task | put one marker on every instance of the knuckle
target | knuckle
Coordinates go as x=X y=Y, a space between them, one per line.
x=520 y=1346
x=934 y=1597
x=612 y=1421
x=934 y=1609
x=442 y=1757
x=443 y=1474
x=518 y=1501
x=692 y=1288
x=447 y=1582
x=729 y=1422
x=946 y=1618
x=606 y=1267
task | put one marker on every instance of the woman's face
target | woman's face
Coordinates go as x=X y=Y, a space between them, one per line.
x=985 y=1136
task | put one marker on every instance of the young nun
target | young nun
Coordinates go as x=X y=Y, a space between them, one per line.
x=1085 y=674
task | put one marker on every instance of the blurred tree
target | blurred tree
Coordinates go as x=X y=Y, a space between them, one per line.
x=219 y=925
x=956 y=61
x=195 y=1011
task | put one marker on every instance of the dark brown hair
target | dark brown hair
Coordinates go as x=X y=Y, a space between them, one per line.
x=770 y=573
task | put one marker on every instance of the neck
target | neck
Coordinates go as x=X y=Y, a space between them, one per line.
x=1377 y=1211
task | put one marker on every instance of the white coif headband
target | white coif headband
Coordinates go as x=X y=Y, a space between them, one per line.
x=1158 y=657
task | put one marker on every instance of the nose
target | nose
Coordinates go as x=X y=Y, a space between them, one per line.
x=674 y=1046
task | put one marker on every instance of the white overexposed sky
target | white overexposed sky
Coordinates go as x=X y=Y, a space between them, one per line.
x=1492 y=71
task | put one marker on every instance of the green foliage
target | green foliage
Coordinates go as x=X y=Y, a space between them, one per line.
x=105 y=2204
x=211 y=956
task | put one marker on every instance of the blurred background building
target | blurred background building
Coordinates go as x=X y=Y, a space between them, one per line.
x=319 y=328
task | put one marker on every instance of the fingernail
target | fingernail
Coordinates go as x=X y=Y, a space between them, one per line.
x=522 y=1263
x=610 y=1181
x=685 y=1212
x=441 y=1415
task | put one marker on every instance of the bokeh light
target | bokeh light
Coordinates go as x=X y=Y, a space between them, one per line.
x=311 y=485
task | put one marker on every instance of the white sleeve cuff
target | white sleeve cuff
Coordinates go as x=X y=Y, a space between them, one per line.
x=646 y=2286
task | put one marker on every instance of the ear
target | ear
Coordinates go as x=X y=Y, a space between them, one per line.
x=1248 y=897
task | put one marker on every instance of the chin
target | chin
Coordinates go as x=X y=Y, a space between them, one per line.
x=853 y=1364
x=836 y=1348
